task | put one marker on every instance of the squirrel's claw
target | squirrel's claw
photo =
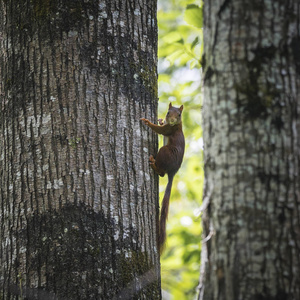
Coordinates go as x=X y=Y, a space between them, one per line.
x=160 y=122
x=146 y=121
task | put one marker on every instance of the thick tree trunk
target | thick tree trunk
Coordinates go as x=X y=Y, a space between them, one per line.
x=79 y=204
x=251 y=247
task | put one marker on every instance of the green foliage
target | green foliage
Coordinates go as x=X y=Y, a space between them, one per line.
x=180 y=26
x=179 y=51
x=193 y=15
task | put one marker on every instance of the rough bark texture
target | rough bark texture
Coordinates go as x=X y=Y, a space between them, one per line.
x=251 y=126
x=79 y=204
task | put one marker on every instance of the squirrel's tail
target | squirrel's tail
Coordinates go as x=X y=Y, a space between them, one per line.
x=164 y=213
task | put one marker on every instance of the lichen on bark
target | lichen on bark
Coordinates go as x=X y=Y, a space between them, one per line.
x=75 y=192
x=251 y=147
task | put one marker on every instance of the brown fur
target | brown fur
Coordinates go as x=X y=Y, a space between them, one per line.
x=168 y=159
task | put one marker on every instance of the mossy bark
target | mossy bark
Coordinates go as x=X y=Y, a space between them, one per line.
x=251 y=128
x=79 y=204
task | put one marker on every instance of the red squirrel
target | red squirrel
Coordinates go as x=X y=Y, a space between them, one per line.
x=168 y=159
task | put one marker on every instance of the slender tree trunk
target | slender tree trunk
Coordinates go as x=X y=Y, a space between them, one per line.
x=251 y=247
x=79 y=204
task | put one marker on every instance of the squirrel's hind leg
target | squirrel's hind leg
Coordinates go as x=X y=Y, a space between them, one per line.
x=153 y=165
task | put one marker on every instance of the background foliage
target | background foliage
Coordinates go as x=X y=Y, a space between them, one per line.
x=180 y=35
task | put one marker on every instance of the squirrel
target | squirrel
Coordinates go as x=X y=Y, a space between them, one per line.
x=168 y=159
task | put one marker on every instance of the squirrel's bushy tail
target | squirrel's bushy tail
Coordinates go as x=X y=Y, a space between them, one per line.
x=164 y=213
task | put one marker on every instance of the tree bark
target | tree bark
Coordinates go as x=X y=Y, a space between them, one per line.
x=79 y=204
x=251 y=124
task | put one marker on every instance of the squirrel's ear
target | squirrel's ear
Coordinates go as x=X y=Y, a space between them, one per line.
x=170 y=105
x=181 y=108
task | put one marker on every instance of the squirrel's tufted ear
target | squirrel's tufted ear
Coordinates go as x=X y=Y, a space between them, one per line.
x=170 y=105
x=181 y=108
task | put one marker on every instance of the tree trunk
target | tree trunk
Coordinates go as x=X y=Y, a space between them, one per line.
x=79 y=204
x=251 y=246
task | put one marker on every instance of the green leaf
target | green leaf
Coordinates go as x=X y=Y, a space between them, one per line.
x=195 y=42
x=193 y=64
x=193 y=15
x=175 y=55
x=167 y=49
x=172 y=37
x=164 y=78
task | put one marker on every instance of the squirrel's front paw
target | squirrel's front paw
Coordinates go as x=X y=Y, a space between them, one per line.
x=160 y=122
x=146 y=121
